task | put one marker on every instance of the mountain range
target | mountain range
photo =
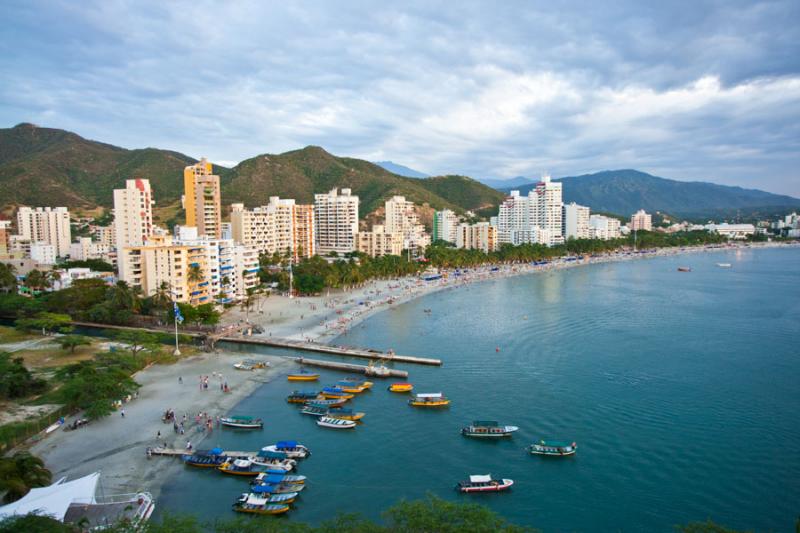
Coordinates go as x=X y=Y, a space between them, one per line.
x=52 y=167
x=401 y=170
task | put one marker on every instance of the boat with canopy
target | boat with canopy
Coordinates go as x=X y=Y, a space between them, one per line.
x=242 y=422
x=487 y=429
x=484 y=483
x=429 y=399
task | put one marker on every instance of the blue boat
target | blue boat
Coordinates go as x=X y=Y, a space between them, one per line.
x=275 y=477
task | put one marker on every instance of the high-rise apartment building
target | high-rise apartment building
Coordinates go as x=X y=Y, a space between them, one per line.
x=379 y=242
x=641 y=221
x=402 y=218
x=280 y=226
x=602 y=227
x=445 y=223
x=5 y=237
x=46 y=224
x=481 y=236
x=201 y=199
x=303 y=231
x=133 y=219
x=576 y=221
x=335 y=222
x=536 y=216
x=546 y=208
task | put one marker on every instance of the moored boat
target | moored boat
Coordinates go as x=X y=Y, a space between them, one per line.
x=484 y=483
x=276 y=477
x=401 y=387
x=354 y=386
x=335 y=393
x=253 y=503
x=292 y=449
x=242 y=422
x=241 y=467
x=684 y=269
x=429 y=399
x=335 y=423
x=284 y=499
x=303 y=375
x=274 y=461
x=724 y=265
x=488 y=429
x=344 y=414
x=553 y=448
x=314 y=409
x=302 y=396
x=276 y=488
x=204 y=458
x=328 y=402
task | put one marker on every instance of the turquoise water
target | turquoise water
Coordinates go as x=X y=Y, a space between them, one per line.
x=681 y=389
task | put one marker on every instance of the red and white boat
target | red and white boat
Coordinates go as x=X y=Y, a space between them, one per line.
x=485 y=483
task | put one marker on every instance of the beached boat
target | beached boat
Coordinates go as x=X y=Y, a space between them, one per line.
x=253 y=503
x=302 y=396
x=303 y=375
x=250 y=364
x=241 y=422
x=481 y=483
x=241 y=467
x=328 y=402
x=291 y=448
x=684 y=269
x=553 y=448
x=335 y=393
x=487 y=429
x=401 y=387
x=429 y=399
x=335 y=423
x=344 y=414
x=314 y=409
x=276 y=477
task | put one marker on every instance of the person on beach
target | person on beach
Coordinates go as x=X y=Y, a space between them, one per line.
x=180 y=380
x=122 y=412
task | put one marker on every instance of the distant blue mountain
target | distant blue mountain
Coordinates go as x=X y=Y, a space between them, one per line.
x=506 y=185
x=623 y=192
x=401 y=170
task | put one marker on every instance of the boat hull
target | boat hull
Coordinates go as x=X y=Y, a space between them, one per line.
x=302 y=377
x=438 y=403
x=498 y=486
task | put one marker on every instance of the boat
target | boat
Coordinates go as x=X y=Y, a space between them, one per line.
x=684 y=269
x=328 y=402
x=241 y=467
x=344 y=414
x=302 y=396
x=274 y=461
x=481 y=483
x=242 y=422
x=553 y=448
x=314 y=409
x=335 y=423
x=401 y=387
x=429 y=399
x=204 y=458
x=291 y=448
x=276 y=488
x=250 y=364
x=487 y=429
x=253 y=503
x=335 y=393
x=724 y=265
x=303 y=375
x=276 y=477
x=284 y=499
x=354 y=386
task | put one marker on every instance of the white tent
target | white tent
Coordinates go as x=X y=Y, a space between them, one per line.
x=55 y=499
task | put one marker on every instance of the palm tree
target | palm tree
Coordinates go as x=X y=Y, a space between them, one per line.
x=20 y=473
x=195 y=274
x=162 y=298
x=52 y=276
x=123 y=297
x=36 y=280
x=8 y=278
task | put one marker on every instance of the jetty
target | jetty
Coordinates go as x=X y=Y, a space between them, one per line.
x=378 y=372
x=175 y=452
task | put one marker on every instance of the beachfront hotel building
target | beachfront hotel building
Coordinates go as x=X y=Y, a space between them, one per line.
x=335 y=222
x=641 y=221
x=401 y=217
x=546 y=209
x=46 y=224
x=481 y=236
x=379 y=242
x=605 y=228
x=445 y=223
x=5 y=237
x=535 y=218
x=160 y=261
x=281 y=226
x=576 y=221
x=133 y=219
x=201 y=199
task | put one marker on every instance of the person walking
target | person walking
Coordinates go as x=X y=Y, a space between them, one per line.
x=122 y=412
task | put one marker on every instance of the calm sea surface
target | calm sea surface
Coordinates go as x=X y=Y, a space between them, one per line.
x=681 y=389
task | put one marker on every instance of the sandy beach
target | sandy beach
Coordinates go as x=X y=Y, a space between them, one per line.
x=116 y=445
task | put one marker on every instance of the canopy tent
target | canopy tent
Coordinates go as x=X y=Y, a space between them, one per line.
x=480 y=479
x=55 y=499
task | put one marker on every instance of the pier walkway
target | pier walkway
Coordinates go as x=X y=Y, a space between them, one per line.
x=373 y=371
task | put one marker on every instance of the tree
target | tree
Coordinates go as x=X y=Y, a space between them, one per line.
x=94 y=385
x=36 y=280
x=123 y=297
x=20 y=473
x=436 y=514
x=705 y=527
x=138 y=341
x=16 y=381
x=70 y=342
x=34 y=523
x=47 y=322
x=195 y=274
x=8 y=278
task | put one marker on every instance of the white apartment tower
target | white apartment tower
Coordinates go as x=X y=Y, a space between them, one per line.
x=576 y=221
x=133 y=218
x=535 y=218
x=46 y=225
x=335 y=222
x=445 y=223
x=546 y=208
x=641 y=221
x=402 y=218
x=280 y=226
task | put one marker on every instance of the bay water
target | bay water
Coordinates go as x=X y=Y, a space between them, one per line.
x=682 y=391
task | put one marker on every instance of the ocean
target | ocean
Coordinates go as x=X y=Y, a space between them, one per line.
x=682 y=391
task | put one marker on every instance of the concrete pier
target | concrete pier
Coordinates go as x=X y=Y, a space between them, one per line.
x=378 y=372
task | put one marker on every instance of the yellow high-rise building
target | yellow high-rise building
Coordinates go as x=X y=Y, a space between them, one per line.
x=202 y=199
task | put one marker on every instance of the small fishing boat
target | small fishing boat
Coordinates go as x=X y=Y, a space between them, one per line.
x=429 y=399
x=204 y=458
x=335 y=423
x=553 y=448
x=242 y=422
x=276 y=477
x=724 y=265
x=354 y=386
x=253 y=503
x=684 y=269
x=302 y=396
x=241 y=467
x=401 y=387
x=279 y=488
x=329 y=403
x=485 y=483
x=487 y=429
x=284 y=499
x=274 y=461
x=250 y=364
x=291 y=448
x=314 y=409
x=303 y=375
x=344 y=414
x=335 y=393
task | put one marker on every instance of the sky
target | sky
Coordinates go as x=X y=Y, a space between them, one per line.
x=686 y=90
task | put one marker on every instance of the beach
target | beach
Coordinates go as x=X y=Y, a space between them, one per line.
x=116 y=445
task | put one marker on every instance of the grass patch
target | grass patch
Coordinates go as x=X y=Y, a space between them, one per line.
x=9 y=335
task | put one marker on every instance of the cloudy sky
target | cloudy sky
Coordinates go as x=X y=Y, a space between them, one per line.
x=693 y=90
